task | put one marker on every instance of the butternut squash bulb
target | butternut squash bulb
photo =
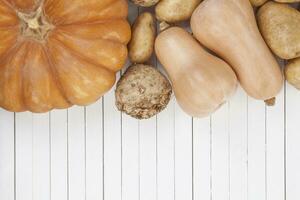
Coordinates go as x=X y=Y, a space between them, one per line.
x=59 y=53
x=201 y=81
x=228 y=27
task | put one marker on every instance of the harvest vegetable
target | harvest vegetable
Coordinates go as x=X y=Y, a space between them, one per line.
x=56 y=53
x=142 y=41
x=228 y=27
x=142 y=92
x=287 y=1
x=175 y=10
x=145 y=3
x=201 y=81
x=292 y=72
x=280 y=26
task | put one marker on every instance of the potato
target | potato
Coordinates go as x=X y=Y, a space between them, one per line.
x=257 y=2
x=143 y=35
x=280 y=26
x=261 y=2
x=287 y=1
x=145 y=3
x=172 y=11
x=142 y=92
x=292 y=72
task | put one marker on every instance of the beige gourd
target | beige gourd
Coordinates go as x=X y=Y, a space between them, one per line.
x=201 y=81
x=228 y=27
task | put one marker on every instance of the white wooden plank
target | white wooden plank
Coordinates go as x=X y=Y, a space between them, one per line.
x=148 y=151
x=130 y=142
x=94 y=151
x=166 y=153
x=292 y=143
x=41 y=157
x=183 y=155
x=59 y=154
x=148 y=148
x=130 y=158
x=77 y=153
x=256 y=150
x=238 y=145
x=220 y=154
x=166 y=147
x=202 y=158
x=275 y=150
x=24 y=156
x=112 y=149
x=7 y=154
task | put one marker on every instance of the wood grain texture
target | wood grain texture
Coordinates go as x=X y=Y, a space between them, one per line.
x=238 y=143
x=7 y=155
x=59 y=154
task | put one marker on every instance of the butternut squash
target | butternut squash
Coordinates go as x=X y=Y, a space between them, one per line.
x=201 y=82
x=228 y=27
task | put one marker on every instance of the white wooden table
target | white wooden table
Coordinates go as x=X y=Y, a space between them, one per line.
x=245 y=151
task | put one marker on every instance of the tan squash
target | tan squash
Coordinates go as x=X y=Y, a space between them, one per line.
x=201 y=81
x=228 y=27
x=59 y=53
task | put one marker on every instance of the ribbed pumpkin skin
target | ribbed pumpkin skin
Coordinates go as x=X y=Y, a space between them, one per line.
x=75 y=61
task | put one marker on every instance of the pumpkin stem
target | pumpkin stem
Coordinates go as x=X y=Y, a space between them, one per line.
x=270 y=102
x=35 y=24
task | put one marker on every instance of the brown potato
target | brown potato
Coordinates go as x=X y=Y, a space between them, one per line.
x=292 y=72
x=175 y=10
x=143 y=35
x=287 y=1
x=258 y=2
x=145 y=3
x=280 y=26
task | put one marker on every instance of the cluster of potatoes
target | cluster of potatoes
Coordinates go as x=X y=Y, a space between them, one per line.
x=143 y=95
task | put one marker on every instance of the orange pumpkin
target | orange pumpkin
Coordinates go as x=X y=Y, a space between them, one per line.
x=59 y=53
